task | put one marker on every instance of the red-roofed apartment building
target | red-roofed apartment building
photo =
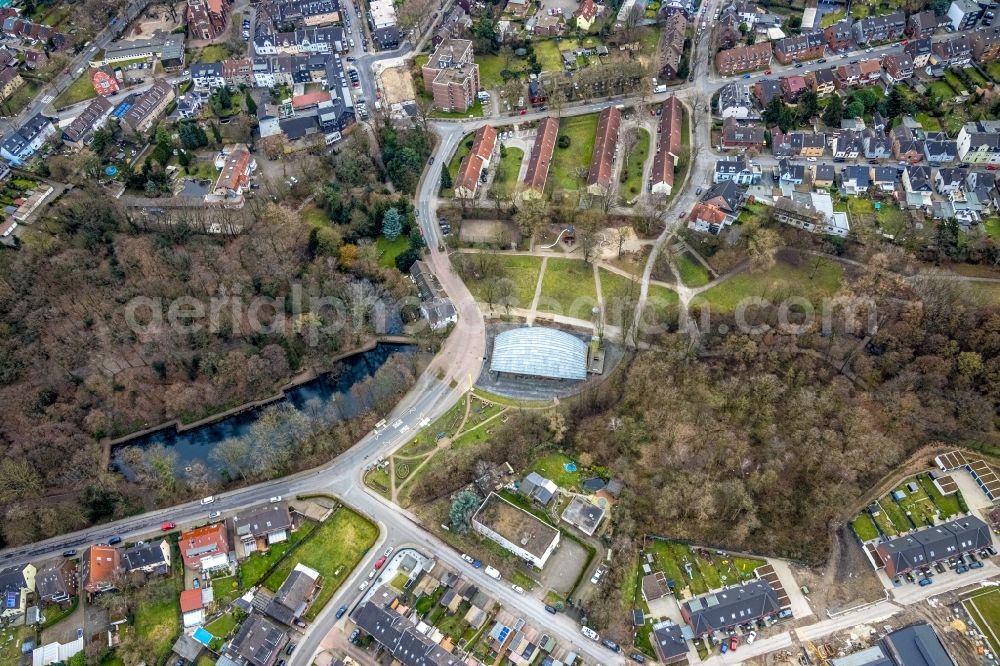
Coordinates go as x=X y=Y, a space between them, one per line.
x=661 y=179
x=104 y=81
x=586 y=14
x=206 y=19
x=602 y=164
x=101 y=565
x=541 y=157
x=205 y=548
x=235 y=175
x=473 y=164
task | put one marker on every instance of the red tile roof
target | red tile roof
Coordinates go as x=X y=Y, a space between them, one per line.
x=541 y=154
x=587 y=10
x=708 y=214
x=101 y=565
x=104 y=81
x=670 y=141
x=310 y=99
x=468 y=172
x=196 y=543
x=603 y=161
x=485 y=142
x=191 y=601
x=234 y=172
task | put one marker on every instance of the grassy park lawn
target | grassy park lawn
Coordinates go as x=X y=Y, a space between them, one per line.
x=992 y=227
x=693 y=274
x=864 y=527
x=568 y=288
x=551 y=467
x=388 y=250
x=974 y=74
x=212 y=53
x=582 y=131
x=78 y=91
x=781 y=281
x=510 y=167
x=632 y=187
x=158 y=617
x=985 y=610
x=314 y=217
x=490 y=67
x=614 y=285
x=831 y=18
x=254 y=568
x=522 y=271
x=221 y=627
x=334 y=551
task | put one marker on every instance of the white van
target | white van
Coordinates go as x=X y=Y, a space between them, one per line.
x=208 y=500
x=492 y=573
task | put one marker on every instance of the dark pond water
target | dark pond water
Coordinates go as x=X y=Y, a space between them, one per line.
x=314 y=396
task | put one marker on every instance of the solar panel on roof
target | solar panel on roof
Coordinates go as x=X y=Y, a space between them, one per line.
x=273 y=636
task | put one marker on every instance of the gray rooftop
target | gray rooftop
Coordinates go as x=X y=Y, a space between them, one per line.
x=540 y=352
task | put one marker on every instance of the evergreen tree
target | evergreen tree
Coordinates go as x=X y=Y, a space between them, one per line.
x=392 y=224
x=834 y=112
x=446 y=179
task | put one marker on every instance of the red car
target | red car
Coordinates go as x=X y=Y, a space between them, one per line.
x=768 y=72
x=733 y=642
x=167 y=526
x=379 y=562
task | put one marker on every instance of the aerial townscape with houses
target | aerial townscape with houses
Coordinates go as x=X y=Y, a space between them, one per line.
x=499 y=332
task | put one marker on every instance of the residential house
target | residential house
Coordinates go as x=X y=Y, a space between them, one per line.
x=726 y=196
x=17 y=583
x=27 y=140
x=400 y=637
x=964 y=14
x=840 y=35
x=10 y=81
x=737 y=170
x=792 y=88
x=451 y=75
x=207 y=77
x=516 y=530
x=870 y=71
x=954 y=52
x=978 y=142
x=205 y=548
x=883 y=178
x=600 y=177
x=898 y=67
x=823 y=176
x=742 y=135
x=848 y=76
x=237 y=72
x=258 y=529
x=474 y=164
x=206 y=19
x=151 y=557
x=922 y=24
x=586 y=14
x=876 y=145
x=545 y=25
x=807 y=144
x=939 y=149
x=295 y=595
x=194 y=604
x=948 y=180
x=808 y=46
x=743 y=59
x=707 y=219
x=812 y=212
x=671 y=48
x=35 y=58
x=847 y=145
x=984 y=184
x=148 y=107
x=99 y=569
x=917 y=186
x=439 y=313
x=79 y=132
x=823 y=82
x=915 y=645
x=719 y=611
x=734 y=101
x=855 y=180
x=258 y=642
x=986 y=45
x=790 y=173
x=882 y=28
x=56 y=583
x=669 y=146
x=541 y=157
x=765 y=90
x=234 y=178
x=904 y=144
x=933 y=544
x=189 y=105
x=668 y=643
x=536 y=487
x=919 y=51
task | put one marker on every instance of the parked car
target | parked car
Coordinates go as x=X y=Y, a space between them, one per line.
x=379 y=562
x=290 y=649
x=611 y=645
x=550 y=609
x=924 y=582
x=354 y=635
x=215 y=514
x=751 y=637
x=746 y=76
x=208 y=500
x=371 y=574
x=637 y=658
x=960 y=569
x=363 y=586
x=277 y=498
x=115 y=540
x=590 y=633
x=724 y=648
x=517 y=588
x=341 y=611
x=388 y=551
x=466 y=558
x=69 y=553
x=168 y=525
x=733 y=642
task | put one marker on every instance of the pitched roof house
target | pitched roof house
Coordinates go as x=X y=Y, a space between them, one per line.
x=669 y=144
x=99 y=567
x=294 y=596
x=600 y=177
x=541 y=157
x=56 y=582
x=16 y=584
x=732 y=606
x=148 y=557
x=932 y=544
x=743 y=59
x=483 y=145
x=739 y=135
x=261 y=528
x=205 y=548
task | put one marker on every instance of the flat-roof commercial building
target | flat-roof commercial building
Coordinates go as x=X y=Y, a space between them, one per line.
x=539 y=352
x=528 y=537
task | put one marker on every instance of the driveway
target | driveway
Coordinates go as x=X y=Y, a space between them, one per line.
x=973 y=494
x=563 y=568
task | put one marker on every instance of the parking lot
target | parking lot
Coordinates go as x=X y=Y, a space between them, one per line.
x=942 y=577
